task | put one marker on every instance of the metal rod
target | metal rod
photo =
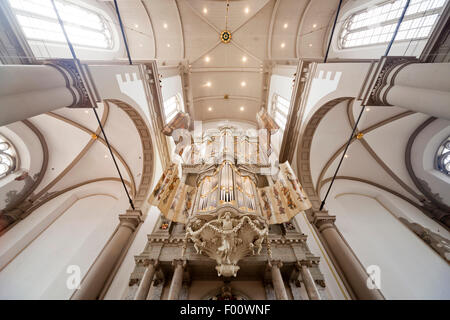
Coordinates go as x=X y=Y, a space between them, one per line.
x=397 y=28
x=363 y=106
x=123 y=32
x=61 y=23
x=332 y=31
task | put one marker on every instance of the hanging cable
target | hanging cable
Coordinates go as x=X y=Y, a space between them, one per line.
x=123 y=32
x=363 y=106
x=332 y=31
x=61 y=23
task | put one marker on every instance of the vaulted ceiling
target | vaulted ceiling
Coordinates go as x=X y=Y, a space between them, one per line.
x=67 y=150
x=377 y=158
x=226 y=80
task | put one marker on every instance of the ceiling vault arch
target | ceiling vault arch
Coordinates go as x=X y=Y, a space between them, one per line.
x=270 y=35
x=330 y=161
x=180 y=23
x=374 y=184
x=374 y=155
x=55 y=194
x=304 y=150
x=91 y=142
x=251 y=16
x=299 y=29
x=152 y=26
x=138 y=194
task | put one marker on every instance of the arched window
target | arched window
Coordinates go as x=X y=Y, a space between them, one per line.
x=85 y=27
x=443 y=157
x=172 y=106
x=376 y=24
x=7 y=158
x=280 y=110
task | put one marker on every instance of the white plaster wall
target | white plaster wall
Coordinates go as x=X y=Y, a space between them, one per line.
x=75 y=238
x=334 y=80
x=122 y=82
x=366 y=217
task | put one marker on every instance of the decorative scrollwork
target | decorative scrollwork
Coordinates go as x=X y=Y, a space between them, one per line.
x=227 y=238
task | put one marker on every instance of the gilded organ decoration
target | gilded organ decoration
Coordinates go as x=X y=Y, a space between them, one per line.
x=228 y=199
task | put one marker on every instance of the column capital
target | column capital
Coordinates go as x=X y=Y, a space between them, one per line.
x=306 y=263
x=275 y=263
x=322 y=220
x=179 y=262
x=145 y=262
x=387 y=70
x=131 y=219
x=74 y=80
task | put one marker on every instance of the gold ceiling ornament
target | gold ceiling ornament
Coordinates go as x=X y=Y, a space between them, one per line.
x=359 y=136
x=225 y=36
x=94 y=136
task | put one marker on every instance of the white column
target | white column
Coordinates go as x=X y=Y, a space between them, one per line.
x=353 y=271
x=419 y=87
x=30 y=90
x=177 y=280
x=95 y=279
x=146 y=281
x=277 y=280
x=308 y=280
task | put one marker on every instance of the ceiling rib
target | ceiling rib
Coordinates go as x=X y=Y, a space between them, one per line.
x=180 y=22
x=220 y=97
x=250 y=17
x=270 y=35
x=320 y=179
x=386 y=168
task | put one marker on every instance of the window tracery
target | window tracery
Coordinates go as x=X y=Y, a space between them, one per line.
x=376 y=24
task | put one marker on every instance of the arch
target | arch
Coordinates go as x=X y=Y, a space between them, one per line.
x=148 y=160
x=138 y=193
x=304 y=150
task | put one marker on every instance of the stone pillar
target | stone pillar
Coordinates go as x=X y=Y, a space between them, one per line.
x=419 y=87
x=270 y=293
x=146 y=281
x=308 y=280
x=30 y=90
x=97 y=275
x=277 y=280
x=353 y=271
x=177 y=279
